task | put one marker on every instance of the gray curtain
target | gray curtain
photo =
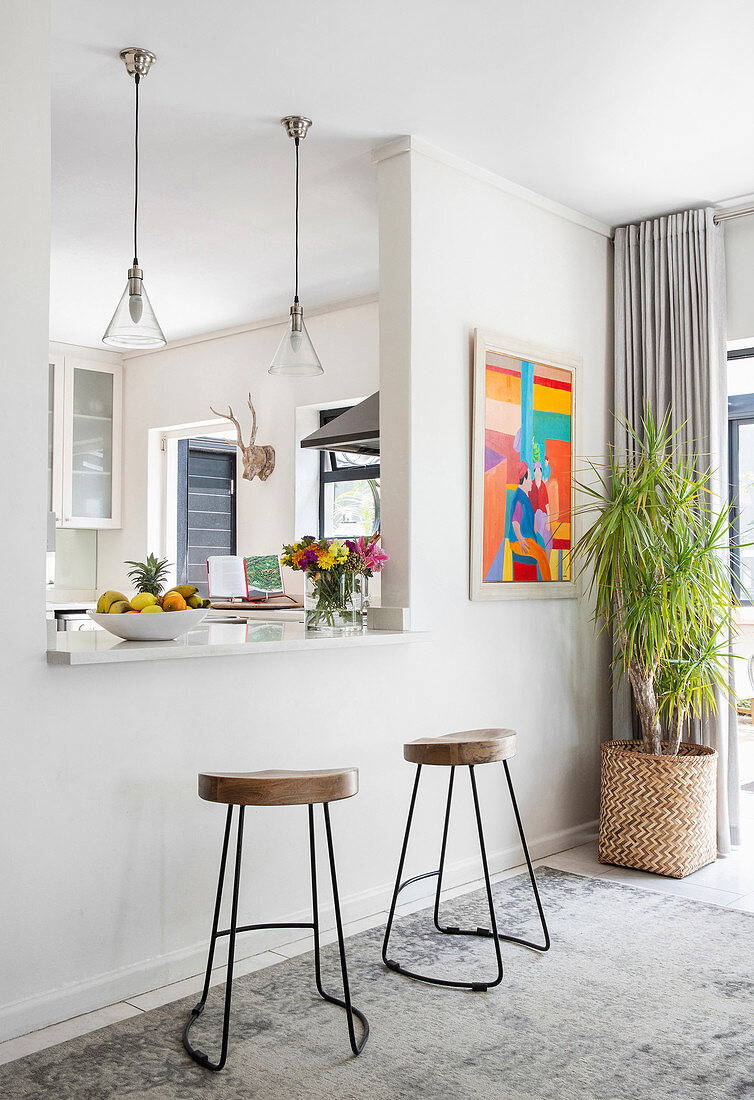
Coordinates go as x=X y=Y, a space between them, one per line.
x=670 y=353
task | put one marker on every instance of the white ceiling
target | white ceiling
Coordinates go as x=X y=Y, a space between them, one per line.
x=617 y=108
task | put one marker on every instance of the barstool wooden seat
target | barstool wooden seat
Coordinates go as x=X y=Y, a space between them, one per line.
x=279 y=788
x=238 y=790
x=469 y=748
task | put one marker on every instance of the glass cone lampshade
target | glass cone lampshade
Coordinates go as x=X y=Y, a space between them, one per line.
x=296 y=356
x=134 y=324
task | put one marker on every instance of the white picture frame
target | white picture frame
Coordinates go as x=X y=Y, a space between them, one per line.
x=510 y=589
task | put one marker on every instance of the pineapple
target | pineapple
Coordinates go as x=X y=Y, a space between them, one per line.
x=149 y=575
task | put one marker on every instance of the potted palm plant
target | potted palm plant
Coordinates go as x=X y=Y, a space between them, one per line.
x=657 y=553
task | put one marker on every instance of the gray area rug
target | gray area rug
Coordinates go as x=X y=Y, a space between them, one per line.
x=642 y=995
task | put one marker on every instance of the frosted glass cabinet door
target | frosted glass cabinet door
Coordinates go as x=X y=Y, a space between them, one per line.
x=55 y=415
x=50 y=433
x=91 y=488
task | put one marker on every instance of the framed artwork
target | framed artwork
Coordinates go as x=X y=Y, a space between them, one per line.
x=524 y=434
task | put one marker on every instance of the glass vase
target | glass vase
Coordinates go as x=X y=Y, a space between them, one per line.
x=333 y=602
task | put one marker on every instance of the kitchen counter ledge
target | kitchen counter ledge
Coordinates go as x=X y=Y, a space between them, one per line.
x=95 y=647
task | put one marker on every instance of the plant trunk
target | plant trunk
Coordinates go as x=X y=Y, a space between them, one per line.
x=676 y=729
x=646 y=704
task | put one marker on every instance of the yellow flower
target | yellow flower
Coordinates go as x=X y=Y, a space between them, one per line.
x=339 y=549
x=325 y=559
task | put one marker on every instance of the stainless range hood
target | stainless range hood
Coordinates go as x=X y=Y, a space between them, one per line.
x=356 y=431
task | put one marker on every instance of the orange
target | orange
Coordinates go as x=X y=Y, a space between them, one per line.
x=174 y=601
x=132 y=613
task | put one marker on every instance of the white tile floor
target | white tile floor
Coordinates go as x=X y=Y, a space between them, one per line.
x=728 y=882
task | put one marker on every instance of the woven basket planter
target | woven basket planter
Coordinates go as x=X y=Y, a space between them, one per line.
x=658 y=813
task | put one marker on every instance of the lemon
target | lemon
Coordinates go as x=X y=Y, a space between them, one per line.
x=151 y=607
x=143 y=600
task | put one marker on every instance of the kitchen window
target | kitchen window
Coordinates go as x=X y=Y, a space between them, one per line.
x=349 y=490
x=206 y=507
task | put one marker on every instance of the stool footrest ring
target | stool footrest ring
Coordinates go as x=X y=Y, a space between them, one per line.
x=256 y=927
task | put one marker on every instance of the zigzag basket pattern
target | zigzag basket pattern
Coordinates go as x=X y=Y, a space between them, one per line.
x=658 y=813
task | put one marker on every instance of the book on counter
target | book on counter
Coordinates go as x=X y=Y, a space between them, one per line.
x=233 y=577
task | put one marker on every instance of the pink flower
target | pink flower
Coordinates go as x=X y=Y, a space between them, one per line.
x=372 y=555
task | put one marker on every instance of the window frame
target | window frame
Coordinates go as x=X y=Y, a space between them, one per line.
x=369 y=472
x=740 y=412
x=200 y=445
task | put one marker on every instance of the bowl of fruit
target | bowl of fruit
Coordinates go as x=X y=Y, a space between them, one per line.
x=150 y=615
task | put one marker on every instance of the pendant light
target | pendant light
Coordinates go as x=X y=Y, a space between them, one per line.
x=134 y=324
x=296 y=356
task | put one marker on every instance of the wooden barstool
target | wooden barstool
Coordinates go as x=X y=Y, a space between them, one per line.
x=275 y=788
x=469 y=749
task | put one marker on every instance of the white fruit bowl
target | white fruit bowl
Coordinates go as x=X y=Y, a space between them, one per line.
x=158 y=626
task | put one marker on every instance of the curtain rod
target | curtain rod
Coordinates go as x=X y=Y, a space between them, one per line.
x=724 y=215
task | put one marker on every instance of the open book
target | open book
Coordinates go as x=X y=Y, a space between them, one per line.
x=233 y=578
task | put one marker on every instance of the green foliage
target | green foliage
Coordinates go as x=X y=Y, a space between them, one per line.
x=149 y=575
x=658 y=557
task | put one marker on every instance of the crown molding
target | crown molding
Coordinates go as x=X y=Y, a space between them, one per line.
x=411 y=144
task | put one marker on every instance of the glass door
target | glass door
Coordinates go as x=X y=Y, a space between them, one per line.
x=206 y=502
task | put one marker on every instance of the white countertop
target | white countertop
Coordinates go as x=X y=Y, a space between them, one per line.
x=89 y=647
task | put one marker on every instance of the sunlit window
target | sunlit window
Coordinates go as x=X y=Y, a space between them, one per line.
x=349 y=491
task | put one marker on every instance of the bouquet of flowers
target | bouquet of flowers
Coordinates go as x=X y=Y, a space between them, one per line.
x=335 y=572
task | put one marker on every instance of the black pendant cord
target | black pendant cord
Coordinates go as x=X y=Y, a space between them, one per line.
x=136 y=169
x=295 y=294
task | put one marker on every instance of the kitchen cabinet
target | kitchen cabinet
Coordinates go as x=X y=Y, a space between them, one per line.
x=84 y=439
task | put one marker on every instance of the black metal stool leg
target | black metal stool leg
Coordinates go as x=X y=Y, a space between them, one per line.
x=398 y=887
x=315 y=903
x=513 y=939
x=351 y=1011
x=443 y=848
x=198 y=1055
x=487 y=883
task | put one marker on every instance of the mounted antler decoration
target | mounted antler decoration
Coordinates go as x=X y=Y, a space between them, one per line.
x=256 y=460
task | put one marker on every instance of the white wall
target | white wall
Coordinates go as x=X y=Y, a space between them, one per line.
x=108 y=855
x=480 y=257
x=739 y=266
x=178 y=385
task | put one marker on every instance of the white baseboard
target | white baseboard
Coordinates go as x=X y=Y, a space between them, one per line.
x=55 y=1005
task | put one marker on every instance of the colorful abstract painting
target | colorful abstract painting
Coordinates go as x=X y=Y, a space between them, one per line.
x=523 y=488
